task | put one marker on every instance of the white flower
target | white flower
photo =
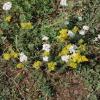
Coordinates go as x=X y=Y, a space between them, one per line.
x=86 y=28
x=72 y=49
x=96 y=39
x=98 y=36
x=66 y=22
x=63 y=3
x=71 y=34
x=80 y=18
x=7 y=6
x=23 y=57
x=46 y=47
x=82 y=32
x=45 y=38
x=65 y=58
x=45 y=58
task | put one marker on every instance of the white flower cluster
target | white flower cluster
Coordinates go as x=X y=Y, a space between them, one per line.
x=7 y=6
x=23 y=57
x=72 y=49
x=80 y=18
x=63 y=3
x=84 y=30
x=70 y=33
x=65 y=58
x=97 y=38
x=45 y=38
x=46 y=47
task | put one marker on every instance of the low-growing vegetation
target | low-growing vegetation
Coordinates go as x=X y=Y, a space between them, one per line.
x=49 y=50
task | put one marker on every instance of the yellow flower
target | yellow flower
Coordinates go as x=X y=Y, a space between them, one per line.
x=80 y=41
x=77 y=58
x=65 y=50
x=20 y=65
x=27 y=25
x=82 y=48
x=84 y=59
x=14 y=55
x=8 y=18
x=73 y=65
x=46 y=53
x=75 y=29
x=52 y=66
x=37 y=64
x=63 y=31
x=63 y=35
x=6 y=56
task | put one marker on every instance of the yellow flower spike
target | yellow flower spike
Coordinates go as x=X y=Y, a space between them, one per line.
x=27 y=25
x=8 y=18
x=37 y=65
x=75 y=29
x=20 y=65
x=52 y=66
x=46 y=53
x=6 y=56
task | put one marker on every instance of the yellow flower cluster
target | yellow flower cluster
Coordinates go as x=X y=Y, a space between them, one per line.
x=76 y=59
x=46 y=53
x=8 y=18
x=52 y=66
x=82 y=48
x=26 y=25
x=20 y=65
x=65 y=50
x=8 y=56
x=37 y=64
x=75 y=29
x=63 y=35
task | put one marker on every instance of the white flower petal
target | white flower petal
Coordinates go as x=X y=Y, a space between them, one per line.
x=7 y=6
x=80 y=18
x=86 y=28
x=45 y=38
x=72 y=49
x=63 y=3
x=65 y=58
x=98 y=36
x=82 y=32
x=96 y=39
x=71 y=34
x=45 y=58
x=46 y=47
x=23 y=57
